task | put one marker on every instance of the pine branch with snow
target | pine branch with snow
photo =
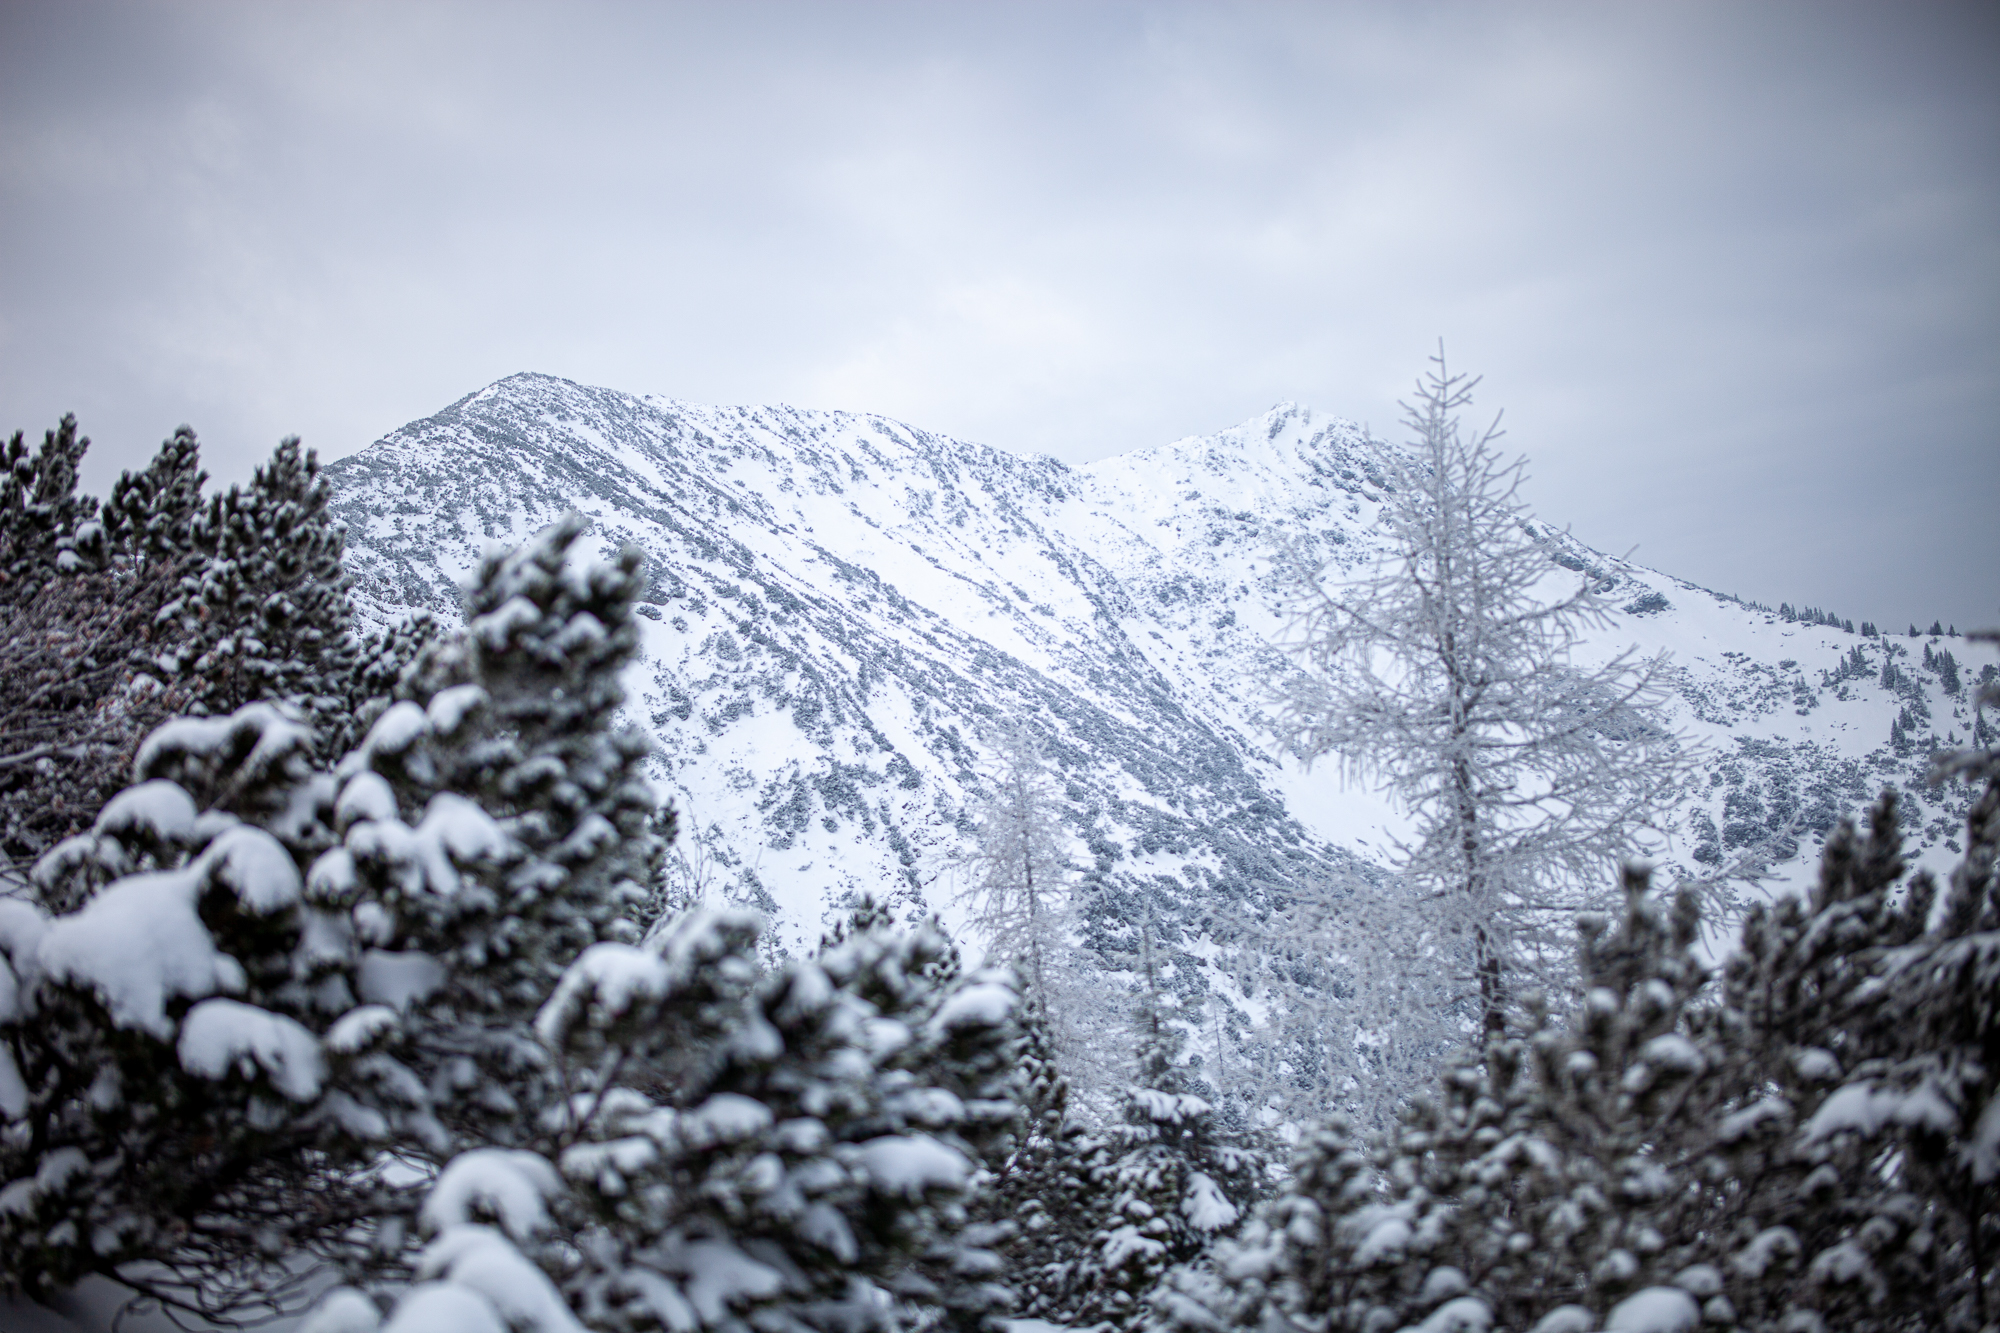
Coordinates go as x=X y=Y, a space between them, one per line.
x=795 y=1148
x=42 y=517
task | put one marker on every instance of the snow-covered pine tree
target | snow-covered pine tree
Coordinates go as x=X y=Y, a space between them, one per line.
x=1526 y=1191
x=809 y=1160
x=79 y=632
x=1448 y=673
x=494 y=824
x=266 y=614
x=42 y=518
x=382 y=661
x=1794 y=992
x=150 y=515
x=1813 y=1148
x=163 y=1076
x=791 y=1150
x=73 y=705
x=1895 y=1223
x=1042 y=1201
x=1168 y=1179
x=1942 y=1061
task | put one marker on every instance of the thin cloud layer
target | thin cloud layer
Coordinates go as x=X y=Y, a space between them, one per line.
x=1734 y=271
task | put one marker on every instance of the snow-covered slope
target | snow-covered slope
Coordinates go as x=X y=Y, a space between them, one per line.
x=842 y=604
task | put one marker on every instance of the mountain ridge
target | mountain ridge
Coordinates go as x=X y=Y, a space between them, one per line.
x=840 y=603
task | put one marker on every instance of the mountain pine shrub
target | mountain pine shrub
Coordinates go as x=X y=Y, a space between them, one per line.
x=150 y=515
x=284 y=986
x=80 y=636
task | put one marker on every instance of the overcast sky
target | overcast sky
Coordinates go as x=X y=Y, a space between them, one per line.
x=1732 y=270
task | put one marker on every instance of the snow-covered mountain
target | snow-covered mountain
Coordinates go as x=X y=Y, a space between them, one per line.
x=843 y=605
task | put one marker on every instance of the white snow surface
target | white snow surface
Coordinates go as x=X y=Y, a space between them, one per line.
x=220 y=1036
x=483 y=1261
x=159 y=809
x=140 y=942
x=367 y=795
x=982 y=1004
x=1865 y=1107
x=398 y=979
x=510 y=1184
x=358 y=1028
x=1206 y=1207
x=1169 y=1108
x=1467 y=1314
x=447 y=708
x=51 y=1174
x=602 y=984
x=444 y=1307
x=1670 y=1050
x=720 y=1275
x=910 y=1165
x=454 y=833
x=273 y=733
x=1384 y=1231
x=1123 y=1244
x=342 y=1310
x=1763 y=1111
x=1566 y=1319
x=1655 y=1310
x=727 y=1117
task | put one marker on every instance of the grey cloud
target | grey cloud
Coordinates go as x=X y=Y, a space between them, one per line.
x=1732 y=269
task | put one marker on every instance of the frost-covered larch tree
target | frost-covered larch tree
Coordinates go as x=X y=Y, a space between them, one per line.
x=1361 y=1006
x=1020 y=871
x=1449 y=674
